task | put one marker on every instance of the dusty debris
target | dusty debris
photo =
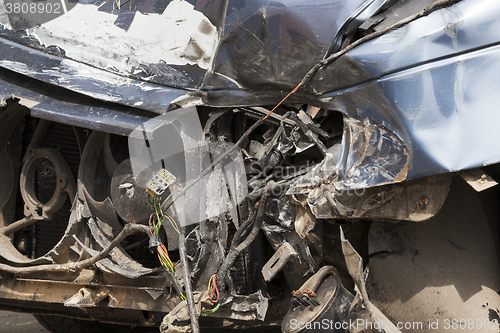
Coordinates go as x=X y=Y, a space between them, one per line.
x=355 y=267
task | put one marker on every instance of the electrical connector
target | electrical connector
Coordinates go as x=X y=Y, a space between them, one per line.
x=305 y=300
x=154 y=241
x=314 y=301
x=296 y=301
x=160 y=182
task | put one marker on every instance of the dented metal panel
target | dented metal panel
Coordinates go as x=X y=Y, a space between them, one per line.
x=435 y=58
x=432 y=82
x=177 y=45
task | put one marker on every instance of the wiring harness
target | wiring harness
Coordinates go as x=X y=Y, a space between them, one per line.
x=214 y=295
x=155 y=221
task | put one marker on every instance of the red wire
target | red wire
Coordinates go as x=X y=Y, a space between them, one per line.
x=215 y=289
x=150 y=230
x=212 y=296
x=284 y=99
x=173 y=221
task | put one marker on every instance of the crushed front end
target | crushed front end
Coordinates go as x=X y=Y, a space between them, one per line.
x=327 y=166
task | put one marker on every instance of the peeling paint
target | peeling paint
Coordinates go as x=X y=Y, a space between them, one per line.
x=186 y=37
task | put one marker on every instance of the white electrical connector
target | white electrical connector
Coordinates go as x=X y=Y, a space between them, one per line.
x=160 y=182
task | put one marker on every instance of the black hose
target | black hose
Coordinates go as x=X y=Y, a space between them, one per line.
x=18 y=225
x=128 y=230
x=236 y=249
x=244 y=226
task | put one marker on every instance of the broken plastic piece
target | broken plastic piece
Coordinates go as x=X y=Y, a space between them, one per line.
x=160 y=182
x=86 y=298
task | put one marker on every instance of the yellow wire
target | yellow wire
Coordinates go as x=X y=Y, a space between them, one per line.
x=165 y=257
x=210 y=283
x=161 y=250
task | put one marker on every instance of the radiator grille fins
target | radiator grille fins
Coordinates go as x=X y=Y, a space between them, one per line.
x=48 y=233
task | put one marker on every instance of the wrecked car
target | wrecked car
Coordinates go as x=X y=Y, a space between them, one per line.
x=181 y=165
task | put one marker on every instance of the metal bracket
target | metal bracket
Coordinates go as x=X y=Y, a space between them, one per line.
x=478 y=179
x=85 y=298
x=278 y=261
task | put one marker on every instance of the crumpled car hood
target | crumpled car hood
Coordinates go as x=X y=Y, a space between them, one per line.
x=430 y=83
x=209 y=45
